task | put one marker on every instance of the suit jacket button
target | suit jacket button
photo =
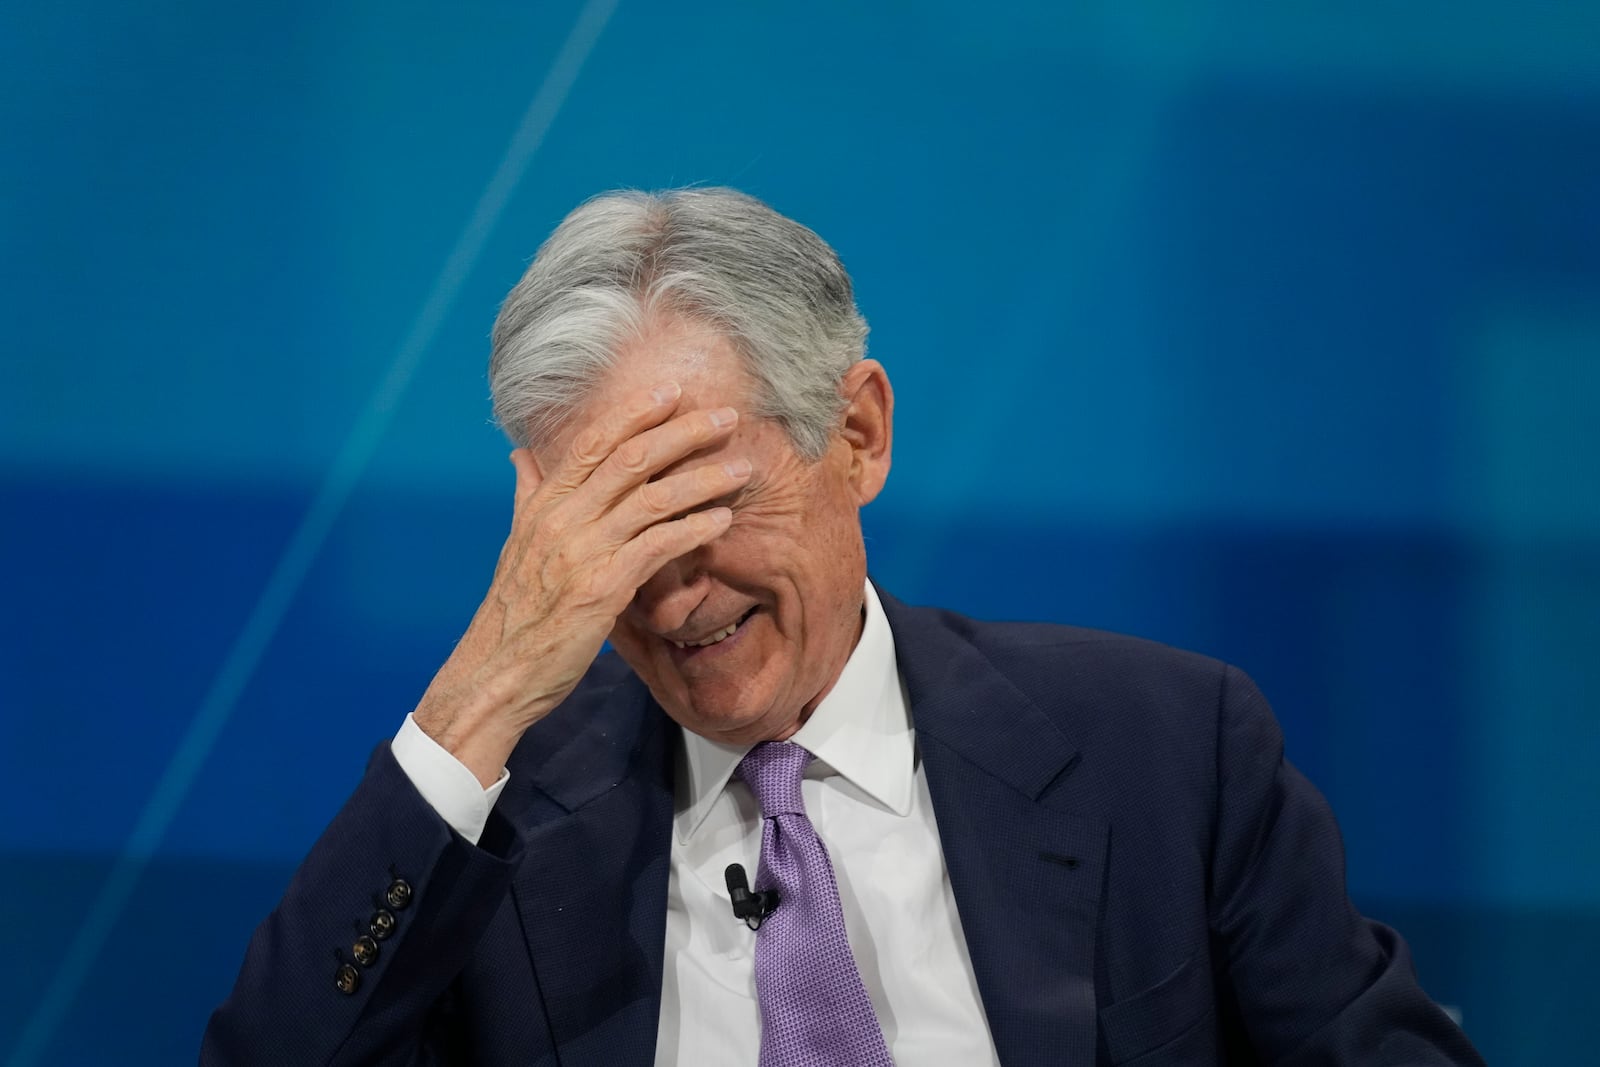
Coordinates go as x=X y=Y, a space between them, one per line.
x=381 y=924
x=365 y=950
x=398 y=894
x=346 y=979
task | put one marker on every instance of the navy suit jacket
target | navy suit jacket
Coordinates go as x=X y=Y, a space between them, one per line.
x=1142 y=879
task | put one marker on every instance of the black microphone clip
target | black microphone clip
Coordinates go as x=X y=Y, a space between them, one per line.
x=753 y=908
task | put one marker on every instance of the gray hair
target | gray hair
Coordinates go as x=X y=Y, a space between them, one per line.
x=768 y=284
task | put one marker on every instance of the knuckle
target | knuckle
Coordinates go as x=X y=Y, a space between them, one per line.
x=699 y=432
x=632 y=456
x=659 y=540
x=588 y=447
x=639 y=407
x=551 y=527
x=655 y=498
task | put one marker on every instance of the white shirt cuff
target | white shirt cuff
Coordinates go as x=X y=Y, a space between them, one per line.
x=444 y=781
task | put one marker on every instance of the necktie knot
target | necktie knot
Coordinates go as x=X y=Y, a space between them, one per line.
x=773 y=770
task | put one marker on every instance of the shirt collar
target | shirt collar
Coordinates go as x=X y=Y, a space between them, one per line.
x=861 y=731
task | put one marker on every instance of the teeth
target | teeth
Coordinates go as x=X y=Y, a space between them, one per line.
x=720 y=635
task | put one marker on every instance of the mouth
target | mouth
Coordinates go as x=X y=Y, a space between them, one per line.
x=717 y=642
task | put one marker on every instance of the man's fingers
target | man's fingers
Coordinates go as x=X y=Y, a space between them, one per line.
x=658 y=545
x=642 y=457
x=596 y=442
x=669 y=497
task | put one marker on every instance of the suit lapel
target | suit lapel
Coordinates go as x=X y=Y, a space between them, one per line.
x=592 y=894
x=1027 y=876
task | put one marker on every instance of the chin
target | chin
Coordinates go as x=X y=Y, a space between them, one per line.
x=717 y=704
x=732 y=726
x=727 y=718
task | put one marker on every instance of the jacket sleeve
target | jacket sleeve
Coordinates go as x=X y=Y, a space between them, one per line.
x=309 y=994
x=1314 y=981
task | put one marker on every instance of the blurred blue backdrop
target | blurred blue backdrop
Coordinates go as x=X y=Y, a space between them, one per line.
x=1261 y=331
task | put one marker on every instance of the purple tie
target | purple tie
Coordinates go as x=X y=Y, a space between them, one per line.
x=814 y=1009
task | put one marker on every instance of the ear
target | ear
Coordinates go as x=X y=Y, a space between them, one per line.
x=868 y=427
x=529 y=474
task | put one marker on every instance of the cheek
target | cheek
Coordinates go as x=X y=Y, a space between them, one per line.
x=632 y=645
x=757 y=547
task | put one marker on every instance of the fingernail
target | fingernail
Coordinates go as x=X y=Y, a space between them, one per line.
x=666 y=392
x=737 y=468
x=724 y=417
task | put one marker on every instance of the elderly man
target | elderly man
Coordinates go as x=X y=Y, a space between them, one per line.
x=971 y=842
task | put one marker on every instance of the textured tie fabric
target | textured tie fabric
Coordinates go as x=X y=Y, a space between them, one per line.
x=814 y=1010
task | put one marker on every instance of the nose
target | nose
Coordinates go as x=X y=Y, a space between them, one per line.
x=667 y=598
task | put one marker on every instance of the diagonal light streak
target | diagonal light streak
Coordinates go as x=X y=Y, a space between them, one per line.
x=305 y=544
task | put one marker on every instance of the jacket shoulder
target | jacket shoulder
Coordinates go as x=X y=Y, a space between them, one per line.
x=1096 y=664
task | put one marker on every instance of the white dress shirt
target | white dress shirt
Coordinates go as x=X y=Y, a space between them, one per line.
x=867 y=796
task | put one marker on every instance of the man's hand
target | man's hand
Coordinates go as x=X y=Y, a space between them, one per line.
x=583 y=540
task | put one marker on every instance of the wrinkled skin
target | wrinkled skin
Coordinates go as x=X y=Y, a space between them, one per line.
x=649 y=522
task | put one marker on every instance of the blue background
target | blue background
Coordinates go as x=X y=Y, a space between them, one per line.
x=1271 y=333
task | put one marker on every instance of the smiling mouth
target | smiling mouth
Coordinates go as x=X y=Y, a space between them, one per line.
x=718 y=637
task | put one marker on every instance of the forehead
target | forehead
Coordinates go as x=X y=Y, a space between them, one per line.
x=703 y=362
